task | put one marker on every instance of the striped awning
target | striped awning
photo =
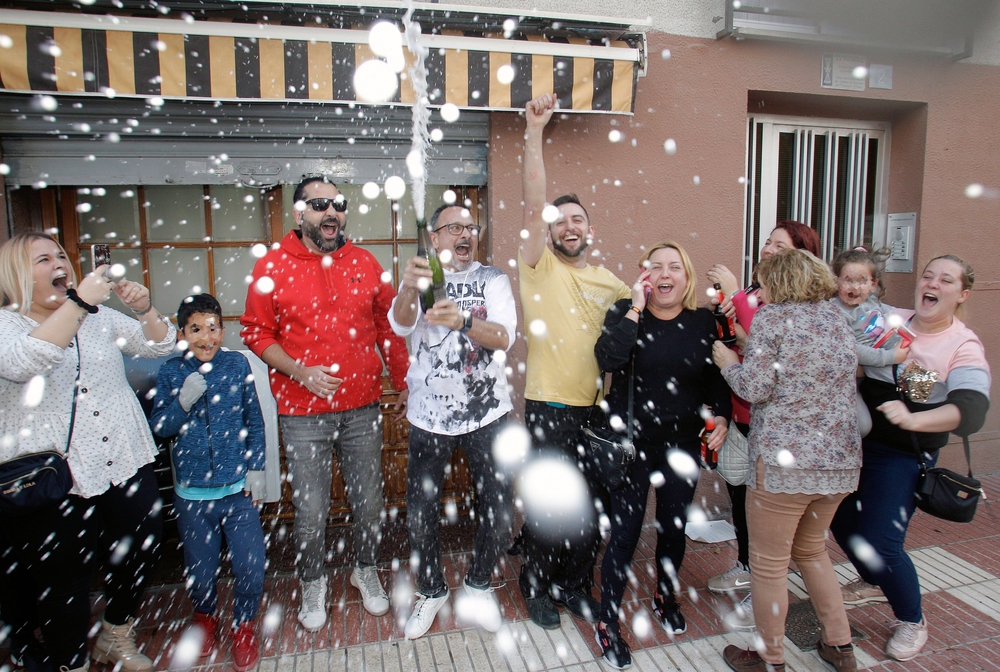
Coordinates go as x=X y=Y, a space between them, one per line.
x=170 y=58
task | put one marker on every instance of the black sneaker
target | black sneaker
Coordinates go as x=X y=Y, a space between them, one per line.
x=669 y=614
x=579 y=603
x=31 y=656
x=542 y=612
x=616 y=651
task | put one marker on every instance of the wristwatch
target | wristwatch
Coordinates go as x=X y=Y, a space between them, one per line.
x=468 y=322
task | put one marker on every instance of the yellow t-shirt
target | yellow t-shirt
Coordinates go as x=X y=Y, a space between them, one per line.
x=571 y=304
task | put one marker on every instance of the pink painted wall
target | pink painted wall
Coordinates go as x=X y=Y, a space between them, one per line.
x=944 y=137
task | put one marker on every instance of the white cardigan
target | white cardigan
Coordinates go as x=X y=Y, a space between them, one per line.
x=111 y=437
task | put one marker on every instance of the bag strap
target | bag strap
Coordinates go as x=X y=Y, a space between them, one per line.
x=631 y=385
x=913 y=435
x=76 y=393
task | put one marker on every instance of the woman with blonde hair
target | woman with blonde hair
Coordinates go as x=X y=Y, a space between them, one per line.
x=63 y=388
x=946 y=379
x=661 y=342
x=805 y=450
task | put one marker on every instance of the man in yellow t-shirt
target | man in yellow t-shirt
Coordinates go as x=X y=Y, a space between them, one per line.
x=564 y=300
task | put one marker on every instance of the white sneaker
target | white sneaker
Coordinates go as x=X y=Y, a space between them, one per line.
x=907 y=640
x=478 y=606
x=737 y=578
x=312 y=611
x=424 y=612
x=741 y=617
x=373 y=596
x=860 y=592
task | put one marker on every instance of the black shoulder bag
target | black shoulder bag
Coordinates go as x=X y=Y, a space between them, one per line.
x=32 y=482
x=607 y=455
x=941 y=492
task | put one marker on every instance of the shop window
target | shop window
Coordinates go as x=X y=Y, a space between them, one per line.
x=183 y=239
x=828 y=174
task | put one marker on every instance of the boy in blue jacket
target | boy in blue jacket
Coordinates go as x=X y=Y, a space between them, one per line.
x=207 y=399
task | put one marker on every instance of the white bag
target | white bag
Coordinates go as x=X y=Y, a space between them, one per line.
x=734 y=457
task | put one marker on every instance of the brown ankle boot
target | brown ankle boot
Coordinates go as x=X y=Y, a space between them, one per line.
x=841 y=657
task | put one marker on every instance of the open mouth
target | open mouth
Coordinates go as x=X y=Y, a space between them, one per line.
x=463 y=249
x=330 y=227
x=929 y=300
x=61 y=282
x=664 y=288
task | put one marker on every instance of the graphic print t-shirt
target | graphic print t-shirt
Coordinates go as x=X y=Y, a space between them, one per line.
x=456 y=385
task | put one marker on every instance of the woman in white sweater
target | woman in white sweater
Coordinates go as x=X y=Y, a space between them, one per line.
x=63 y=387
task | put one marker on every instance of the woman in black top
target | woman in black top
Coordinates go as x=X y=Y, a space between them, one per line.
x=671 y=341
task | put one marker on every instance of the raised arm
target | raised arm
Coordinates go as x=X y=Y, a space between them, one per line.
x=537 y=114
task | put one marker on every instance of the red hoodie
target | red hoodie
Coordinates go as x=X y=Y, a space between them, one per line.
x=332 y=315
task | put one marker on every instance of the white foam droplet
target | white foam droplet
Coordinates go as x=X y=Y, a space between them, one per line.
x=682 y=463
x=258 y=250
x=785 y=458
x=117 y=271
x=445 y=256
x=414 y=165
x=375 y=81
x=505 y=74
x=34 y=391
x=551 y=214
x=974 y=190
x=538 y=327
x=326 y=261
x=265 y=285
x=615 y=135
x=437 y=134
x=384 y=38
x=394 y=188
x=449 y=196
x=859 y=72
x=370 y=190
x=386 y=277
x=670 y=147
x=450 y=112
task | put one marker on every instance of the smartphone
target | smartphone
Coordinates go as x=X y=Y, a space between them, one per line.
x=100 y=255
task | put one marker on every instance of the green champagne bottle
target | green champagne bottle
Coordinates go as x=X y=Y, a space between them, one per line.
x=436 y=291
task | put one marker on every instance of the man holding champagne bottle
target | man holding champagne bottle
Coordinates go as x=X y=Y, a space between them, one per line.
x=459 y=398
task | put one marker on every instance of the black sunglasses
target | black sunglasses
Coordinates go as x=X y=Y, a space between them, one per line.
x=322 y=204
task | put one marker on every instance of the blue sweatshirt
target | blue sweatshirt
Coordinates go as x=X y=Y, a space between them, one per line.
x=222 y=437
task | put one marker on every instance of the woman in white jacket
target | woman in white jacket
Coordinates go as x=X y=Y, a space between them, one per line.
x=56 y=343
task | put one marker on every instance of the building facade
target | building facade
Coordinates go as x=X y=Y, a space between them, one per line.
x=177 y=137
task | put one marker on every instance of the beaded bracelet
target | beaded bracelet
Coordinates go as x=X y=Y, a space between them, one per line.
x=75 y=298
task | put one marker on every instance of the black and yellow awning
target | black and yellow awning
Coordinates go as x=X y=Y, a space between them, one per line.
x=171 y=58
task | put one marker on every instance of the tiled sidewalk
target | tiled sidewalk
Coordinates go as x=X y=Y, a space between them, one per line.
x=959 y=566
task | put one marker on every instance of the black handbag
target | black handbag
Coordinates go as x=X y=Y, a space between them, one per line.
x=946 y=494
x=607 y=455
x=942 y=492
x=32 y=482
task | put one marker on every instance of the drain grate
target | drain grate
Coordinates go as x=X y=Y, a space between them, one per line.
x=802 y=626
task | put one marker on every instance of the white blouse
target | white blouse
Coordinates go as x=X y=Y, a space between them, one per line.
x=111 y=436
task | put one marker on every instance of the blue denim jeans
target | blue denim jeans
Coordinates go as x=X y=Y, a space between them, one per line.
x=202 y=525
x=310 y=441
x=880 y=513
x=428 y=456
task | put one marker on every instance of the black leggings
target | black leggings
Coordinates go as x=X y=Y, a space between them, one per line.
x=62 y=545
x=738 y=496
x=628 y=508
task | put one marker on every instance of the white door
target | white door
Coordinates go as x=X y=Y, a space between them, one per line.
x=829 y=174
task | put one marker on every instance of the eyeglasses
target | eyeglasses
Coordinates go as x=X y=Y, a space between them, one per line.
x=339 y=204
x=457 y=229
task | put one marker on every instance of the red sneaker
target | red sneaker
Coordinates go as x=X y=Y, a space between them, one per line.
x=246 y=647
x=209 y=625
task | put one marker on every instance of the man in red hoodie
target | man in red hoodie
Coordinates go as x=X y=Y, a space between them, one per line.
x=315 y=313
